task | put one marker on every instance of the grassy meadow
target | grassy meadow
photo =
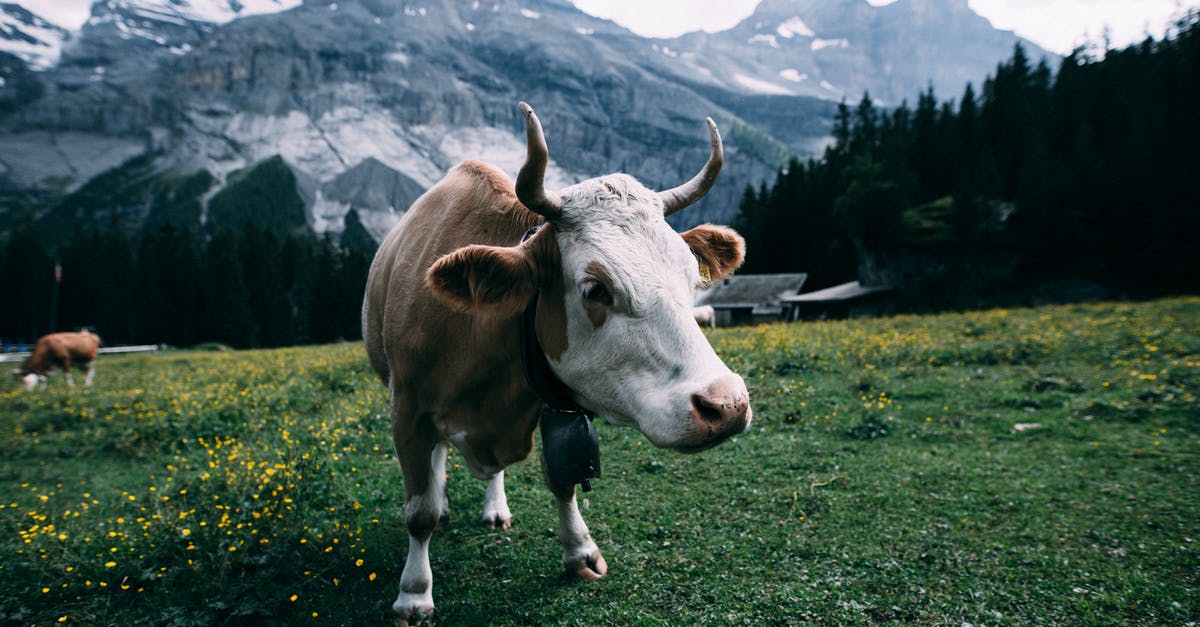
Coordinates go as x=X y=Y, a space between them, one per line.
x=1008 y=467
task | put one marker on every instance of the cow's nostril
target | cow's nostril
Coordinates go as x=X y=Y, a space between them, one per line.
x=709 y=409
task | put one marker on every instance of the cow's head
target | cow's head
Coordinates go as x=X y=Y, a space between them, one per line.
x=29 y=380
x=615 y=287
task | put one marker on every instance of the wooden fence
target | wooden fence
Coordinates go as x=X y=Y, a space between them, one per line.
x=104 y=350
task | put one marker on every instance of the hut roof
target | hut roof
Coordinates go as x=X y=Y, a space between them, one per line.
x=751 y=290
x=845 y=291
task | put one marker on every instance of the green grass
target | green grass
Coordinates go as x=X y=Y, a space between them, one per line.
x=884 y=480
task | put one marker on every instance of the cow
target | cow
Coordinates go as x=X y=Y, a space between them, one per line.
x=60 y=350
x=610 y=287
x=705 y=316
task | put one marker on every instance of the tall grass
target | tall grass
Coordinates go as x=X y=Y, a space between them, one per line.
x=1016 y=467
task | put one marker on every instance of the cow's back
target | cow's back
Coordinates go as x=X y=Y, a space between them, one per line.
x=63 y=349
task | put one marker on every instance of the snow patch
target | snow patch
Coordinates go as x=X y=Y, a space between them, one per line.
x=760 y=86
x=533 y=15
x=214 y=11
x=791 y=74
x=764 y=39
x=34 y=40
x=795 y=27
x=584 y=31
x=665 y=50
x=821 y=44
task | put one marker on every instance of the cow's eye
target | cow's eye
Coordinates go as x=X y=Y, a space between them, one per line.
x=595 y=293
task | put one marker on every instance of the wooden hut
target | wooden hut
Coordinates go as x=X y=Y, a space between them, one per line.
x=751 y=298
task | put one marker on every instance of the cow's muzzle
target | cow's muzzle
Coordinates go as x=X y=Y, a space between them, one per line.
x=718 y=412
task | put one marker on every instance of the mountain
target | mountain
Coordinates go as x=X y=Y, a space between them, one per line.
x=837 y=49
x=156 y=109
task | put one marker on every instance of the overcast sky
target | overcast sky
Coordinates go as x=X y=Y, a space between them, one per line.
x=1057 y=25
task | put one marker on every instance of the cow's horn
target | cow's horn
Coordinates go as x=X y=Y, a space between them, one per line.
x=675 y=199
x=531 y=190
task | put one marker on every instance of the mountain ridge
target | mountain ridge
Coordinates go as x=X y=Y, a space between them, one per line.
x=407 y=90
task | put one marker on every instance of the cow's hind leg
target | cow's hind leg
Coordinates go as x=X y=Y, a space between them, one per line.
x=495 y=504
x=423 y=462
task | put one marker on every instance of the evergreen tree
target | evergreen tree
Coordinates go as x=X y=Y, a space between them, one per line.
x=97 y=271
x=323 y=306
x=966 y=154
x=751 y=224
x=227 y=314
x=27 y=283
x=261 y=259
x=355 y=236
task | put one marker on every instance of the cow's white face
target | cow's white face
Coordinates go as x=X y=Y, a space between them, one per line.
x=31 y=381
x=634 y=353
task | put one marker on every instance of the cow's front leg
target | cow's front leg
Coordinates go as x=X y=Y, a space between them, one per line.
x=495 y=504
x=581 y=556
x=423 y=462
x=90 y=370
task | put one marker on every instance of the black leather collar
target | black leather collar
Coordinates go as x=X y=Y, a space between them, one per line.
x=553 y=392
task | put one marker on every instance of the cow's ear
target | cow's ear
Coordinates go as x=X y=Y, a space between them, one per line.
x=488 y=280
x=718 y=250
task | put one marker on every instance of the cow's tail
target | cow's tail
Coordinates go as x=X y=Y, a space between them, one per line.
x=372 y=333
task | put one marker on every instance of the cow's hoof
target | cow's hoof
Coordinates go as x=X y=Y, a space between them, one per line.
x=588 y=564
x=413 y=609
x=497 y=523
x=497 y=520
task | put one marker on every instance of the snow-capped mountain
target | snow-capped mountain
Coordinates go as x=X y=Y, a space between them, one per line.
x=179 y=11
x=29 y=37
x=368 y=102
x=837 y=49
x=132 y=32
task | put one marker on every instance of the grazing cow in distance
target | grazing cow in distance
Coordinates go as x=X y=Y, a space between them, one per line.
x=605 y=288
x=60 y=350
x=705 y=316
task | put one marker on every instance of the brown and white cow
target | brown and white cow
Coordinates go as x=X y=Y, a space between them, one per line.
x=614 y=286
x=60 y=350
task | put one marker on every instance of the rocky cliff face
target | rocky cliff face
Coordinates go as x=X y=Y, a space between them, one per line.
x=368 y=102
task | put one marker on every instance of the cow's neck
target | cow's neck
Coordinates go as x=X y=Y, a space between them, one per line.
x=569 y=444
